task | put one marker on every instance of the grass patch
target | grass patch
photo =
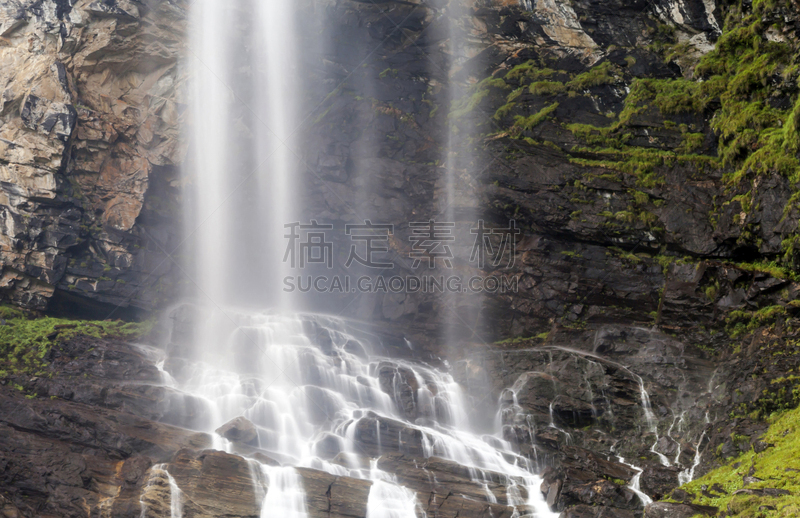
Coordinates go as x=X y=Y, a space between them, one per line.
x=547 y=88
x=468 y=104
x=778 y=467
x=740 y=322
x=602 y=74
x=24 y=343
x=523 y=124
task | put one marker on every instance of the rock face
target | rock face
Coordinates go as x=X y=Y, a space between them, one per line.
x=94 y=443
x=89 y=142
x=94 y=100
x=644 y=282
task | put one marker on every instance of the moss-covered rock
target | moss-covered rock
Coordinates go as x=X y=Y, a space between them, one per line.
x=25 y=342
x=763 y=482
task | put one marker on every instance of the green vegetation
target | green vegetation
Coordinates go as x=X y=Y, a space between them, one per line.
x=527 y=72
x=465 y=106
x=741 y=322
x=547 y=88
x=601 y=74
x=624 y=255
x=746 y=88
x=521 y=340
x=744 y=71
x=24 y=343
x=778 y=467
x=523 y=124
x=770 y=267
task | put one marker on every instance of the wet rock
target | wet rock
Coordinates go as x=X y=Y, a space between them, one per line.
x=767 y=491
x=239 y=429
x=375 y=434
x=585 y=511
x=668 y=510
x=682 y=496
x=573 y=484
x=329 y=495
x=402 y=385
x=78 y=168
x=761 y=446
x=657 y=480
x=596 y=464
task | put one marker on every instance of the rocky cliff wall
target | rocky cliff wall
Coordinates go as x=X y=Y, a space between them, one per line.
x=647 y=197
x=597 y=147
x=91 y=112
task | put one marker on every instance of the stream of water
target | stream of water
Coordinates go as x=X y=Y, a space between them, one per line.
x=311 y=387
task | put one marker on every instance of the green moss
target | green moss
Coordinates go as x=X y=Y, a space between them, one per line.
x=770 y=267
x=480 y=91
x=24 y=343
x=741 y=322
x=755 y=137
x=520 y=340
x=712 y=291
x=670 y=96
x=523 y=124
x=528 y=71
x=10 y=312
x=624 y=255
x=691 y=142
x=639 y=162
x=778 y=467
x=601 y=74
x=547 y=88
x=504 y=110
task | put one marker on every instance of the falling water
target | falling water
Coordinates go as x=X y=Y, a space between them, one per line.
x=387 y=499
x=652 y=424
x=314 y=389
x=245 y=114
x=634 y=483
x=687 y=475
x=157 y=473
x=281 y=491
x=458 y=203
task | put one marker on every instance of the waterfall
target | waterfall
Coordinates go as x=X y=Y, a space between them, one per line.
x=281 y=492
x=634 y=483
x=388 y=500
x=651 y=421
x=150 y=498
x=308 y=390
x=687 y=475
x=244 y=106
x=458 y=203
x=312 y=387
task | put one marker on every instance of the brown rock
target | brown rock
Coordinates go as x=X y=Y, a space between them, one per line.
x=239 y=429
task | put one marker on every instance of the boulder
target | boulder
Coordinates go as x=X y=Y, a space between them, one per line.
x=240 y=430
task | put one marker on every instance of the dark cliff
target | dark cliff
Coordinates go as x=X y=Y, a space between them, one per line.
x=647 y=149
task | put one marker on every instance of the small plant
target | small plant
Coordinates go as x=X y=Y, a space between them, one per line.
x=25 y=343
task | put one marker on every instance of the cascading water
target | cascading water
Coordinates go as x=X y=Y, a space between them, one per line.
x=156 y=477
x=282 y=493
x=312 y=390
x=316 y=393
